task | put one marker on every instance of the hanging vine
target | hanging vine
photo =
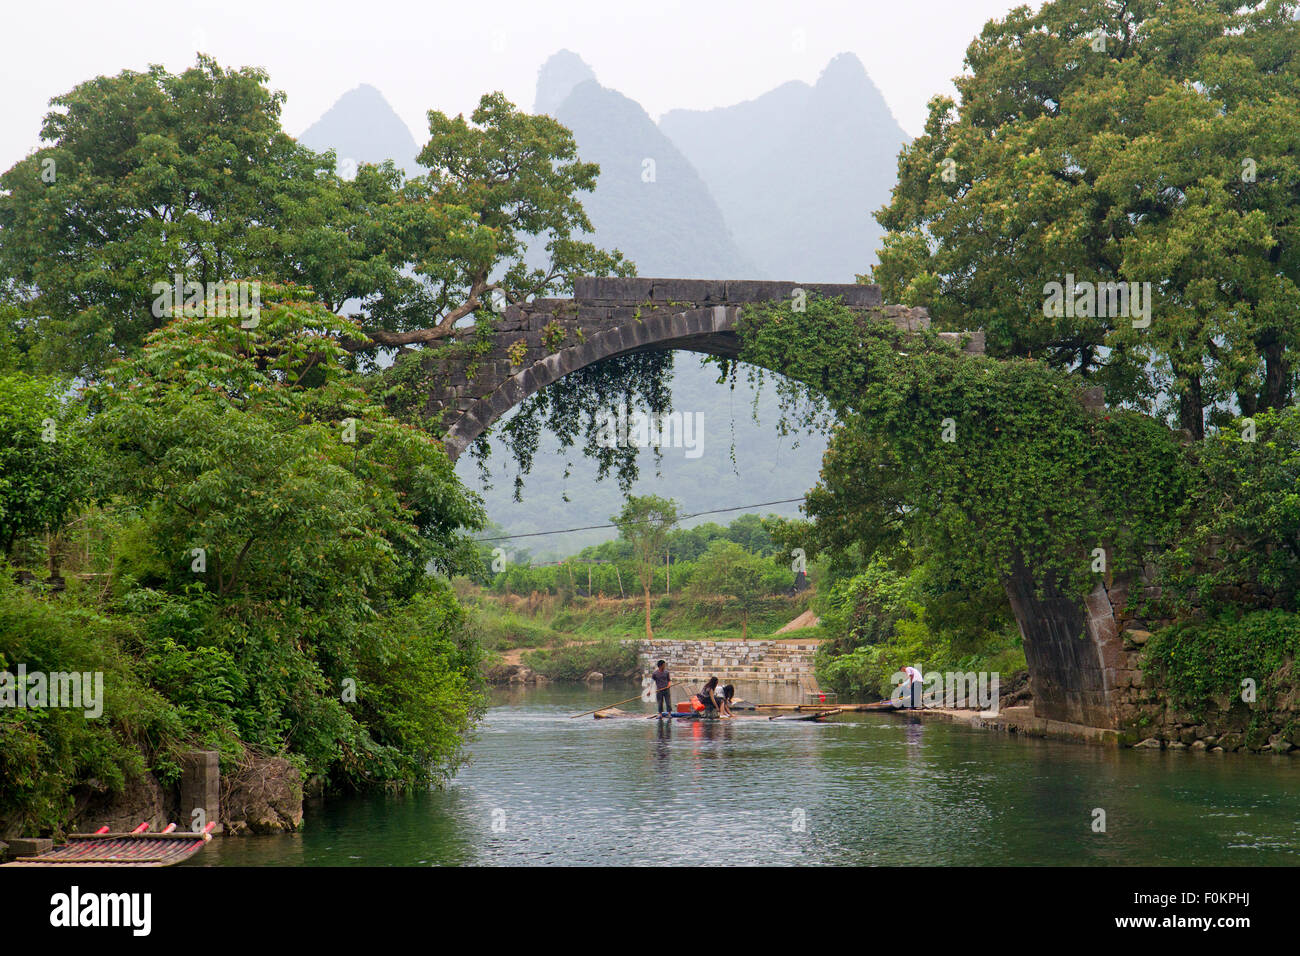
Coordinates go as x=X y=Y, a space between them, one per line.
x=573 y=408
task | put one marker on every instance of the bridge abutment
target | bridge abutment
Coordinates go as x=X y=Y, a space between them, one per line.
x=1079 y=667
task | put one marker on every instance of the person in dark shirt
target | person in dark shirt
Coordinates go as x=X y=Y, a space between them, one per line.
x=663 y=680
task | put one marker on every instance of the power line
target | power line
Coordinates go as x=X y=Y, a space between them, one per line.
x=598 y=527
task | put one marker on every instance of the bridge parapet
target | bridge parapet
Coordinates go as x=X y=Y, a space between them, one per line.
x=702 y=292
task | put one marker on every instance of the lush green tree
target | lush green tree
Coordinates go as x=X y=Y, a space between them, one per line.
x=17 y=340
x=148 y=175
x=645 y=523
x=505 y=181
x=276 y=499
x=45 y=465
x=749 y=532
x=728 y=569
x=1147 y=142
x=254 y=446
x=1246 y=515
x=865 y=608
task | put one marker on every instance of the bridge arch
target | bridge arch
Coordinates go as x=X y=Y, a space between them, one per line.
x=709 y=330
x=542 y=341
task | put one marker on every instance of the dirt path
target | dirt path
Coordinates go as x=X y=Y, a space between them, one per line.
x=806 y=619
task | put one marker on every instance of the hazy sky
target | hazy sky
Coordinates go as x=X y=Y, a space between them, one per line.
x=663 y=53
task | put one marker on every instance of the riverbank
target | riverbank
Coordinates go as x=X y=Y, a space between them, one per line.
x=538 y=620
x=1022 y=722
x=540 y=638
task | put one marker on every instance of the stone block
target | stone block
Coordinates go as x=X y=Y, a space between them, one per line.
x=745 y=290
x=1094 y=399
x=689 y=290
x=616 y=288
x=200 y=787
x=30 y=846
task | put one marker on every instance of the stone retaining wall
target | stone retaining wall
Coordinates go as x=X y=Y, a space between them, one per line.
x=778 y=662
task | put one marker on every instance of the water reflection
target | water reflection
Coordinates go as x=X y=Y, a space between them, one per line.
x=863 y=789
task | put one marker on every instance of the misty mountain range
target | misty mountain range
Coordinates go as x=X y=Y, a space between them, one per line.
x=779 y=187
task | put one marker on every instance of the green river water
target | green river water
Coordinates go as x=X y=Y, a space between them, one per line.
x=863 y=789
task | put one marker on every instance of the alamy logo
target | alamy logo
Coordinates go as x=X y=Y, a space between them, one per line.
x=212 y=300
x=75 y=908
x=1116 y=300
x=37 y=690
x=641 y=430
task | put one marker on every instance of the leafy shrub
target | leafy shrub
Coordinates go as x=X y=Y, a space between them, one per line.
x=45 y=754
x=612 y=658
x=1204 y=659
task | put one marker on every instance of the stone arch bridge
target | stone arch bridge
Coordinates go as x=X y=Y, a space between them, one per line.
x=607 y=318
x=1079 y=669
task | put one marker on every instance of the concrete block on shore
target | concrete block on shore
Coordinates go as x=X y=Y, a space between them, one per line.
x=30 y=846
x=201 y=788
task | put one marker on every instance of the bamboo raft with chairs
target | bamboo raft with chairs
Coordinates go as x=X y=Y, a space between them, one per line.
x=137 y=848
x=816 y=710
x=613 y=713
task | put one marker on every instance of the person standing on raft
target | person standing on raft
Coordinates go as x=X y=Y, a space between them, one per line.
x=663 y=697
x=913 y=697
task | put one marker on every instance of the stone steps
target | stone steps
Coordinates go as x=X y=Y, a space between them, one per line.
x=733 y=661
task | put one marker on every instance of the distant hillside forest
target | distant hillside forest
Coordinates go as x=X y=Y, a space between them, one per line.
x=608 y=569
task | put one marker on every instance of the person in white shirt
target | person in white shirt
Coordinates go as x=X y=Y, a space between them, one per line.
x=913 y=697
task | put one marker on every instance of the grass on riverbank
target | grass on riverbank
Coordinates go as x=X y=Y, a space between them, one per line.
x=538 y=621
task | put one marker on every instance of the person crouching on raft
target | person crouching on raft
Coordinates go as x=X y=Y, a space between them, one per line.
x=708 y=696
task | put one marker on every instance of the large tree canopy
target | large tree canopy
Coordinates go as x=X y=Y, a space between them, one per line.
x=148 y=175
x=1149 y=142
x=499 y=184
x=260 y=448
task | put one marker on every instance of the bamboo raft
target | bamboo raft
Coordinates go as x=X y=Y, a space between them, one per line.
x=875 y=706
x=613 y=713
x=136 y=848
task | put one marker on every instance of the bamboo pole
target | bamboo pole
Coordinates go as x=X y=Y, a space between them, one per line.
x=615 y=704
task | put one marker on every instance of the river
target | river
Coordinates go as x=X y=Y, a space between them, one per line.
x=861 y=789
